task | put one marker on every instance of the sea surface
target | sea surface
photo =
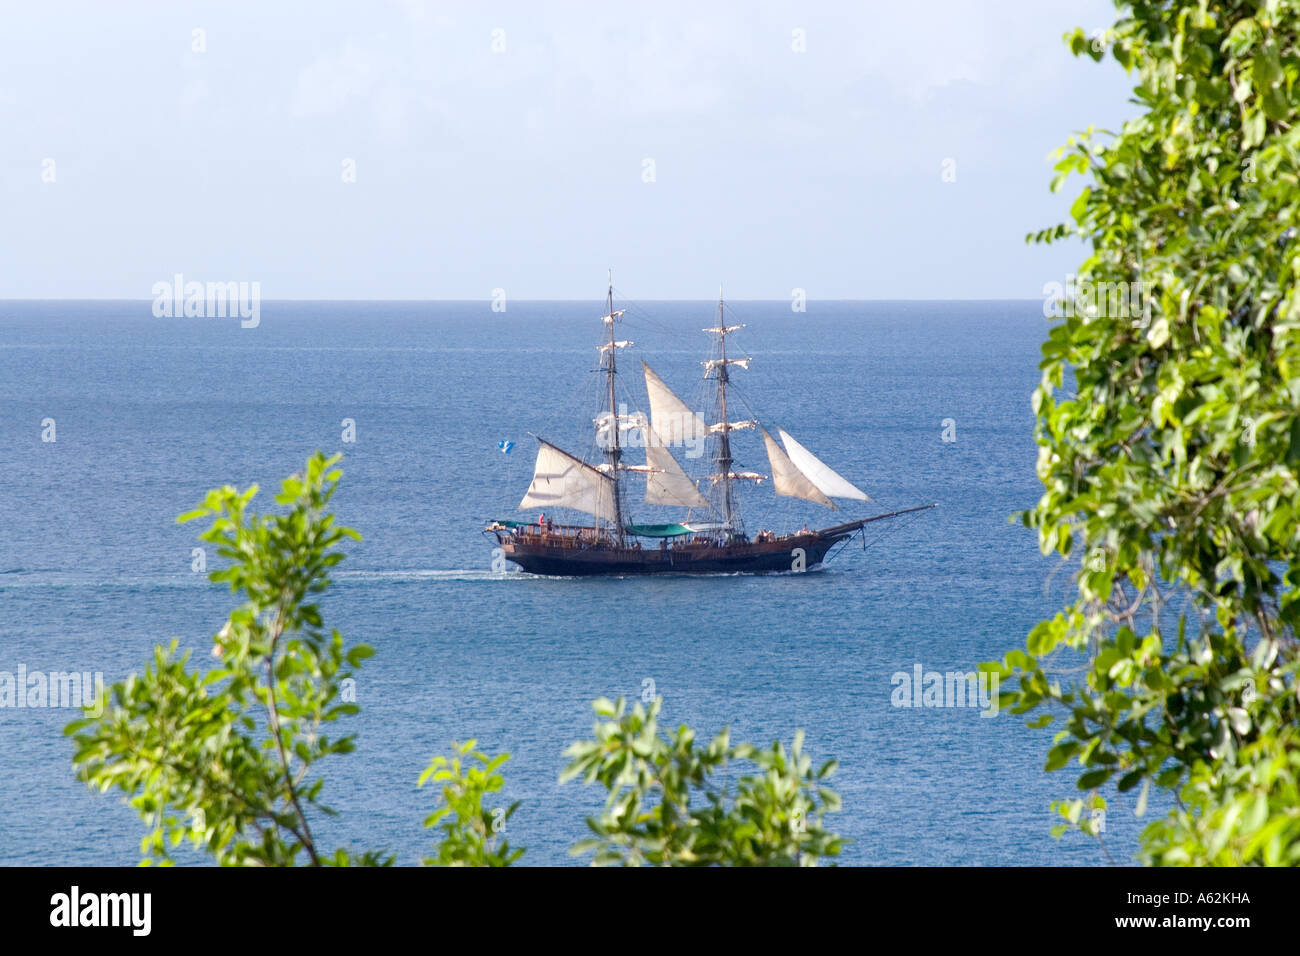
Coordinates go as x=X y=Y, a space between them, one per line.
x=148 y=413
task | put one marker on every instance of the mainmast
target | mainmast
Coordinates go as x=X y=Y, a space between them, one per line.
x=724 y=439
x=721 y=369
x=613 y=452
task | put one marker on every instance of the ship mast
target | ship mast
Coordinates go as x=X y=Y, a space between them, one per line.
x=724 y=459
x=613 y=453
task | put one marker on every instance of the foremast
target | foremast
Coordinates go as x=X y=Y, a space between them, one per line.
x=613 y=449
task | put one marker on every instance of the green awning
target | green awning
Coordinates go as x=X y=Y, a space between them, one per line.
x=511 y=524
x=658 y=530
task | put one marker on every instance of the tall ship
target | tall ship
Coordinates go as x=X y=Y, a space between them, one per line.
x=710 y=538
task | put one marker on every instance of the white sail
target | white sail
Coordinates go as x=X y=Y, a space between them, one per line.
x=671 y=420
x=626 y=423
x=711 y=364
x=827 y=481
x=731 y=426
x=787 y=479
x=562 y=481
x=669 y=484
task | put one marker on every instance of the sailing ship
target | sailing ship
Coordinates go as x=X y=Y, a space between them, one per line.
x=713 y=544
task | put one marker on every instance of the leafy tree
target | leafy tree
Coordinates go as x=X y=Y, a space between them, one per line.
x=227 y=758
x=1168 y=425
x=773 y=818
x=470 y=832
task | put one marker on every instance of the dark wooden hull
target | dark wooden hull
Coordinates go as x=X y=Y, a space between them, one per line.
x=801 y=552
x=577 y=551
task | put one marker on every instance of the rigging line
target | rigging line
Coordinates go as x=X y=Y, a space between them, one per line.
x=636 y=317
x=664 y=339
x=762 y=423
x=627 y=301
x=740 y=394
x=765 y=348
x=867 y=543
x=782 y=508
x=590 y=387
x=634 y=307
x=888 y=529
x=576 y=392
x=771 y=376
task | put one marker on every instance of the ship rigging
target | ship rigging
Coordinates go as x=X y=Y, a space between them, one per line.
x=716 y=544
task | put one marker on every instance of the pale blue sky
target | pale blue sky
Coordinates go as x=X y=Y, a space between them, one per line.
x=523 y=169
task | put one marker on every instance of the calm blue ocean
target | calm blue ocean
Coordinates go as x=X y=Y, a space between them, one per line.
x=149 y=413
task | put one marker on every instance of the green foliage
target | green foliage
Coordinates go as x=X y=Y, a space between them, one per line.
x=226 y=758
x=1170 y=465
x=471 y=833
x=1247 y=811
x=668 y=807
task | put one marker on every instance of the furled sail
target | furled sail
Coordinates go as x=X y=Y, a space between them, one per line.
x=626 y=423
x=827 y=481
x=731 y=426
x=669 y=484
x=787 y=479
x=712 y=364
x=562 y=481
x=671 y=420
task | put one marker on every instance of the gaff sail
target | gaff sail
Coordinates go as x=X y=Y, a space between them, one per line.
x=563 y=481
